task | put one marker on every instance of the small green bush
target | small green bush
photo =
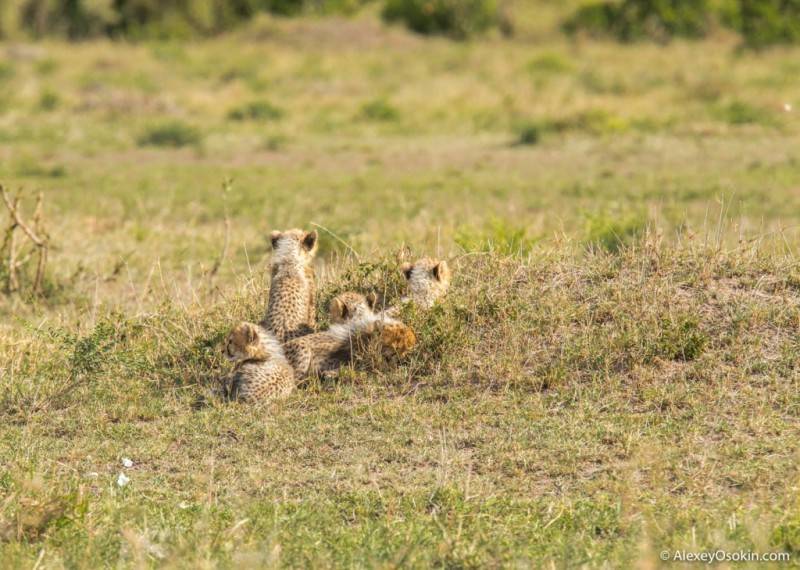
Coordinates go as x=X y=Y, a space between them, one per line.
x=459 y=19
x=379 y=110
x=529 y=134
x=633 y=20
x=741 y=113
x=681 y=339
x=173 y=134
x=256 y=111
x=49 y=100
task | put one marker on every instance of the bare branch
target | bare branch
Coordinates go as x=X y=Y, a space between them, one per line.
x=13 y=208
x=17 y=256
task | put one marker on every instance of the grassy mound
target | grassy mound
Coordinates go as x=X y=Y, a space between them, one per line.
x=596 y=408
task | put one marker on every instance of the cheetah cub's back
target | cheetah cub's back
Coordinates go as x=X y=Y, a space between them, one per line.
x=262 y=372
x=292 y=292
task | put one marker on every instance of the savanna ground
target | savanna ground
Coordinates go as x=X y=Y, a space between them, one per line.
x=614 y=373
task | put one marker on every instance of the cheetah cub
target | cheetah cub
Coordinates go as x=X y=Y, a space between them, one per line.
x=396 y=338
x=428 y=281
x=324 y=352
x=261 y=371
x=290 y=310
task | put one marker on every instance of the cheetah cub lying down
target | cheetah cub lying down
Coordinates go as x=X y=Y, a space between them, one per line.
x=396 y=338
x=354 y=320
x=292 y=292
x=261 y=371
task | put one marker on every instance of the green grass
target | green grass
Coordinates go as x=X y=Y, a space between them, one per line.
x=256 y=111
x=379 y=110
x=613 y=373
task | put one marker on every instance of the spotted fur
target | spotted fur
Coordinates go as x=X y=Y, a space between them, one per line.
x=292 y=292
x=261 y=371
x=396 y=338
x=324 y=352
x=428 y=281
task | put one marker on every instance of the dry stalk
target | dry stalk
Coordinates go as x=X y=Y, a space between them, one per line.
x=226 y=188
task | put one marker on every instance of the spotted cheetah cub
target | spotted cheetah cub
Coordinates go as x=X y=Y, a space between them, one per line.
x=290 y=310
x=428 y=281
x=396 y=338
x=261 y=371
x=322 y=353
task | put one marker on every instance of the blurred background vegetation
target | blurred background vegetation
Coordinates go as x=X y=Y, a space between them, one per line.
x=759 y=22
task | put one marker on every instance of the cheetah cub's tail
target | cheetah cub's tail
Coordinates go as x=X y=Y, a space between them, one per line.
x=397 y=339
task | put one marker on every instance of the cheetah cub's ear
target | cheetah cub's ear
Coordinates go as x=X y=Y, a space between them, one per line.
x=337 y=311
x=310 y=241
x=441 y=272
x=274 y=237
x=243 y=343
x=407 y=269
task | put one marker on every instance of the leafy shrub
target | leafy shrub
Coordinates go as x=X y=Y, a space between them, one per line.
x=633 y=20
x=760 y=22
x=256 y=111
x=173 y=134
x=165 y=19
x=766 y=22
x=71 y=18
x=455 y=18
x=178 y=18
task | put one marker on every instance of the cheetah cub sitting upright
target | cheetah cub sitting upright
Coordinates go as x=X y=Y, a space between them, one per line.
x=261 y=371
x=428 y=281
x=290 y=310
x=396 y=338
x=321 y=353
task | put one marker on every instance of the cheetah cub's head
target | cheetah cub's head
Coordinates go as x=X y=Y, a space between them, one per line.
x=428 y=280
x=294 y=246
x=351 y=306
x=244 y=343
